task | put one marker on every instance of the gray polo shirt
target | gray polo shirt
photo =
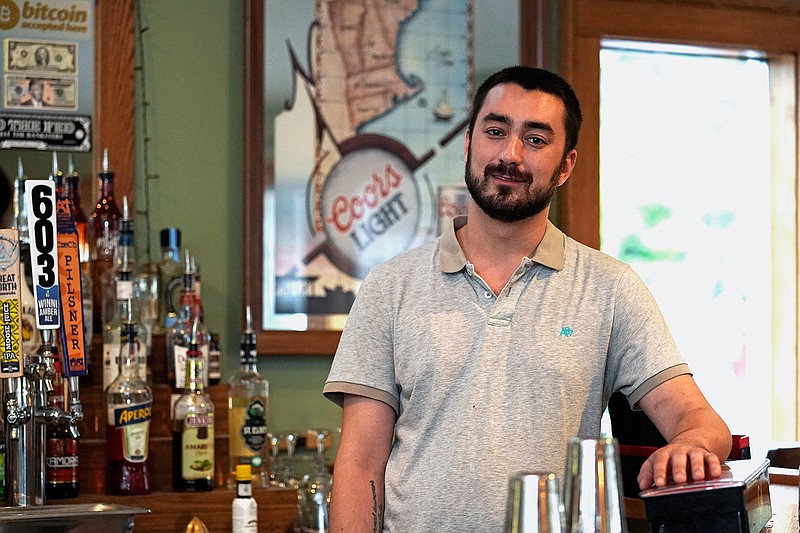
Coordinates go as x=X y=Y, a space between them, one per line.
x=486 y=385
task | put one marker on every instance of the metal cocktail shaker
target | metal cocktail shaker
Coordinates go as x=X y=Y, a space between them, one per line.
x=593 y=500
x=534 y=504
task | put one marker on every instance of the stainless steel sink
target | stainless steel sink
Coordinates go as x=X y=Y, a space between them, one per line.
x=78 y=518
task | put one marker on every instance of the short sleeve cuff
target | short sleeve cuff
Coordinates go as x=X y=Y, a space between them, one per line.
x=654 y=381
x=335 y=391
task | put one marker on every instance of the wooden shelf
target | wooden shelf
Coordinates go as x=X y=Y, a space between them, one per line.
x=170 y=511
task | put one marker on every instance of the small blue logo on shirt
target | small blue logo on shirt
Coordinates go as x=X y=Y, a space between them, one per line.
x=566 y=331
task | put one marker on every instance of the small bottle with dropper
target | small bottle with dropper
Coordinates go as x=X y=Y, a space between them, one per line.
x=244 y=508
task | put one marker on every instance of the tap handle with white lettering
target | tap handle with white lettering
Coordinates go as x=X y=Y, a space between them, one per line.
x=40 y=197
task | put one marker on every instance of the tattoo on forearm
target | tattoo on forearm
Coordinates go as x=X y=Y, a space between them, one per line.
x=377 y=510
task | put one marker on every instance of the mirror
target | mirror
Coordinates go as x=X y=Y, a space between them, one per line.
x=535 y=21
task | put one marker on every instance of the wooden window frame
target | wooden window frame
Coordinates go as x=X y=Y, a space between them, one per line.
x=772 y=27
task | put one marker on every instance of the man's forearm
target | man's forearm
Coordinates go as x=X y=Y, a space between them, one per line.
x=357 y=501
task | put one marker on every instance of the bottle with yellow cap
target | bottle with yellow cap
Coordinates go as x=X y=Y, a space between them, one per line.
x=244 y=507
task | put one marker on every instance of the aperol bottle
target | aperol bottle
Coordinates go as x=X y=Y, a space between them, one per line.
x=129 y=400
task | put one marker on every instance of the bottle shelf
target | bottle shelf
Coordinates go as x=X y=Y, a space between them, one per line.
x=170 y=511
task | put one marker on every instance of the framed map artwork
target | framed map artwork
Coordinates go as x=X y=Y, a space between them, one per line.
x=366 y=105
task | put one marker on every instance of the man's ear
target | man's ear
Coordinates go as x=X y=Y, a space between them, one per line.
x=567 y=164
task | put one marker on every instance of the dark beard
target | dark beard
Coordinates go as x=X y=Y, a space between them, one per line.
x=502 y=206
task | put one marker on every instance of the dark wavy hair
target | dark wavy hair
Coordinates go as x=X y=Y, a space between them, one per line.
x=535 y=79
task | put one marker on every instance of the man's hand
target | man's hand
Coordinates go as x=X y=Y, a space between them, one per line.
x=697 y=436
x=678 y=463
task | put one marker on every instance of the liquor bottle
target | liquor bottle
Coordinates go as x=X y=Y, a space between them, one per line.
x=61 y=449
x=112 y=330
x=71 y=190
x=214 y=360
x=103 y=239
x=129 y=401
x=248 y=402
x=193 y=427
x=180 y=336
x=31 y=340
x=126 y=274
x=56 y=176
x=170 y=274
x=198 y=288
x=244 y=509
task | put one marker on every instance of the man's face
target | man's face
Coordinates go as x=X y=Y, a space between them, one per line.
x=42 y=56
x=37 y=90
x=515 y=155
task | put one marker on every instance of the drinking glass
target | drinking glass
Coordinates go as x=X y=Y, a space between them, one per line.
x=289 y=477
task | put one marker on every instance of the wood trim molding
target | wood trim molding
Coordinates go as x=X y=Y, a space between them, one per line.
x=114 y=91
x=770 y=25
x=535 y=34
x=254 y=165
x=277 y=342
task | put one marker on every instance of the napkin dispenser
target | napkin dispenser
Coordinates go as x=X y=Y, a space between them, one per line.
x=737 y=502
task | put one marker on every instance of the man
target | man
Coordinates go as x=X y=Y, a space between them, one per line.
x=36 y=90
x=42 y=56
x=482 y=353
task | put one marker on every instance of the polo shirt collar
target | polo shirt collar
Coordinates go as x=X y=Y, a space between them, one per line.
x=549 y=253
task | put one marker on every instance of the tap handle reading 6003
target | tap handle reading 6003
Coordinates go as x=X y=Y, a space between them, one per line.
x=40 y=196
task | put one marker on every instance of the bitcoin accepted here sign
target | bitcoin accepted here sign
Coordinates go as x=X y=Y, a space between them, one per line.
x=47 y=74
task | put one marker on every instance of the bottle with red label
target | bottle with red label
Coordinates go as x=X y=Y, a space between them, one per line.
x=61 y=453
x=129 y=402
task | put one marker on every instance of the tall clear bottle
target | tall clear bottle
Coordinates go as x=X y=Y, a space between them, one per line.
x=112 y=330
x=193 y=427
x=129 y=401
x=71 y=189
x=179 y=337
x=127 y=273
x=248 y=404
x=103 y=239
x=170 y=275
x=31 y=340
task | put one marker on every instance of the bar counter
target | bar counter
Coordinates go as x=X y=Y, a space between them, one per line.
x=783 y=492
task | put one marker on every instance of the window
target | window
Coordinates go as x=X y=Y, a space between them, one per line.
x=768 y=317
x=684 y=169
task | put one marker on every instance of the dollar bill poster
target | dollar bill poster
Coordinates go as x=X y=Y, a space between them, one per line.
x=367 y=105
x=47 y=74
